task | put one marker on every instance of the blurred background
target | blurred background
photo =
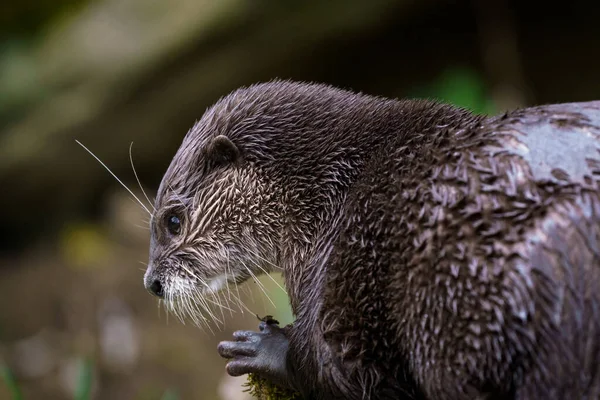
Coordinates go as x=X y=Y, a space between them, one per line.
x=75 y=320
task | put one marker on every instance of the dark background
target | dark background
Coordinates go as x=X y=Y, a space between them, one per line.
x=112 y=72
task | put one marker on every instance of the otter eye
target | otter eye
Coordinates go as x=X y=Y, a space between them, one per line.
x=173 y=225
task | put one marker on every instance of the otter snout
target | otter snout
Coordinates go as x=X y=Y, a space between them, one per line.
x=153 y=284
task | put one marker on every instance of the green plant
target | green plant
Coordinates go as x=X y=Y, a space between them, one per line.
x=11 y=382
x=84 y=381
x=265 y=390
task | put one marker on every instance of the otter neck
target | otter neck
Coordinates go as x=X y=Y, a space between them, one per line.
x=320 y=189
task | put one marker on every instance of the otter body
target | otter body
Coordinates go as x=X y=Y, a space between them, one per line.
x=428 y=252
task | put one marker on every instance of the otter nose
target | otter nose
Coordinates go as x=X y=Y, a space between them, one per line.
x=153 y=283
x=156 y=288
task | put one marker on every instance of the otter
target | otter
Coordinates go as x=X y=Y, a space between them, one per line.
x=428 y=252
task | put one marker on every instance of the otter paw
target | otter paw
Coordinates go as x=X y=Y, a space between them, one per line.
x=263 y=353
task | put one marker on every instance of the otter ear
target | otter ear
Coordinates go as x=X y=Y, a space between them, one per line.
x=222 y=151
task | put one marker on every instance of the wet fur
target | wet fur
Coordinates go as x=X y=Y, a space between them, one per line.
x=427 y=252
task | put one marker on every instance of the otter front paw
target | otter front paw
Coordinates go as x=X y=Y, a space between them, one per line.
x=263 y=353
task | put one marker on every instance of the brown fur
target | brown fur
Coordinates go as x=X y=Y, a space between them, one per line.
x=427 y=252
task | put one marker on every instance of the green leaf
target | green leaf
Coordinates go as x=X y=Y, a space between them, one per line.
x=11 y=382
x=84 y=382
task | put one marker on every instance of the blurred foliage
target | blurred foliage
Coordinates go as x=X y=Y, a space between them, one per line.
x=170 y=395
x=460 y=86
x=83 y=390
x=11 y=383
x=83 y=385
x=84 y=245
x=25 y=18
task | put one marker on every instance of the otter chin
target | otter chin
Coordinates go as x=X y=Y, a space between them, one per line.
x=428 y=252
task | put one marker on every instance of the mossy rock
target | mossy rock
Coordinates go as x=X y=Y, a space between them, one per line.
x=265 y=390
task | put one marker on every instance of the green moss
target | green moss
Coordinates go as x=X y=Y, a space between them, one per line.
x=264 y=390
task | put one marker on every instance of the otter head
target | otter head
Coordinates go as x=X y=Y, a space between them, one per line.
x=253 y=181
x=216 y=219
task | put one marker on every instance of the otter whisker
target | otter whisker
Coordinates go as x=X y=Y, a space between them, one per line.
x=195 y=310
x=227 y=305
x=227 y=298
x=260 y=285
x=190 y=306
x=196 y=314
x=175 y=311
x=221 y=301
x=227 y=277
x=137 y=179
x=220 y=305
x=227 y=302
x=115 y=176
x=216 y=300
x=249 y=292
x=256 y=254
x=186 y=269
x=239 y=297
x=174 y=298
x=202 y=300
x=265 y=271
x=165 y=305
x=240 y=302
x=242 y=306
x=184 y=304
x=231 y=302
